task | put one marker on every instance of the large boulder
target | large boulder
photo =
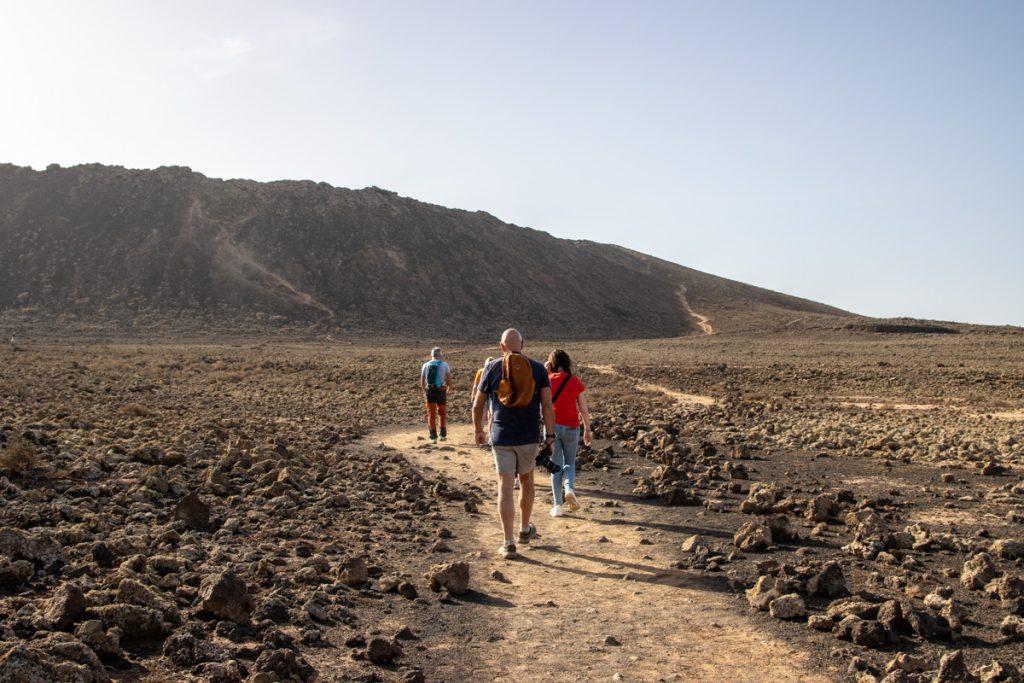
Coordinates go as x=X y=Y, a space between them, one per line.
x=132 y=592
x=752 y=537
x=133 y=621
x=105 y=643
x=829 y=582
x=66 y=607
x=978 y=571
x=22 y=545
x=1008 y=549
x=452 y=576
x=14 y=574
x=790 y=606
x=24 y=665
x=354 y=572
x=226 y=596
x=193 y=511
x=381 y=651
x=761 y=499
x=953 y=669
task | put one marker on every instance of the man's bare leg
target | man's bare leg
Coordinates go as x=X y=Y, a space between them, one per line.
x=506 y=506
x=526 y=495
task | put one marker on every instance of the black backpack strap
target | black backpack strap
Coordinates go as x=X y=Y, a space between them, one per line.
x=561 y=386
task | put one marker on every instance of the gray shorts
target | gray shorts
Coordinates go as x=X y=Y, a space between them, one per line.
x=515 y=459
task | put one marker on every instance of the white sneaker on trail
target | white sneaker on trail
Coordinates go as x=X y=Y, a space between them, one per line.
x=507 y=552
x=571 y=500
x=557 y=511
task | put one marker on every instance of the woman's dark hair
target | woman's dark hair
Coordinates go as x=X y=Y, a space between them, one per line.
x=560 y=361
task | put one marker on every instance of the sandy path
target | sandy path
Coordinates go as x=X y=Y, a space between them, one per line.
x=677 y=396
x=589 y=577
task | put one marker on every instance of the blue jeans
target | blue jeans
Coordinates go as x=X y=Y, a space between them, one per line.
x=567 y=439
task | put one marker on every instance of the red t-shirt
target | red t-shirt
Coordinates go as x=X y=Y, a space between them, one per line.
x=567 y=414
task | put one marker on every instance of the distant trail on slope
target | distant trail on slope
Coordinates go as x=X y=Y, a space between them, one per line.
x=702 y=320
x=235 y=257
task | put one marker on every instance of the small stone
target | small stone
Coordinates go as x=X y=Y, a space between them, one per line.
x=693 y=544
x=612 y=640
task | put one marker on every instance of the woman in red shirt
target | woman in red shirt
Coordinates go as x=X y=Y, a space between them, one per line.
x=570 y=404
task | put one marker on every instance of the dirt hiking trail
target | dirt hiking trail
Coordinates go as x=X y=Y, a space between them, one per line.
x=677 y=396
x=591 y=598
x=703 y=322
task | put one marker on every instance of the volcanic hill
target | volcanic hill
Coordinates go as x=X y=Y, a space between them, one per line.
x=172 y=247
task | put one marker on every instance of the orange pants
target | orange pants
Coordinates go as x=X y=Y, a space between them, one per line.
x=435 y=410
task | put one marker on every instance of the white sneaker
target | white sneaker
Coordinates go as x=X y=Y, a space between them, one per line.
x=571 y=500
x=557 y=511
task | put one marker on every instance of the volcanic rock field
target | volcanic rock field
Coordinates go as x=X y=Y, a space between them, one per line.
x=826 y=505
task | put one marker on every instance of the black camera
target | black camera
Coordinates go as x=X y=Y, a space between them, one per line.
x=544 y=459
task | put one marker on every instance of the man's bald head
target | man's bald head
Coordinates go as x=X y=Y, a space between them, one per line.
x=511 y=340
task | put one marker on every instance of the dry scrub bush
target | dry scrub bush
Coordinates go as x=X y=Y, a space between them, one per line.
x=19 y=454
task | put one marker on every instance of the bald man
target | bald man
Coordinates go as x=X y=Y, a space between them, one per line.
x=515 y=440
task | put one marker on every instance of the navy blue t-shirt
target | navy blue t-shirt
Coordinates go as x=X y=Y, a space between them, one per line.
x=513 y=426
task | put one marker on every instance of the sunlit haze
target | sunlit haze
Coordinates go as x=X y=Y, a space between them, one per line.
x=865 y=155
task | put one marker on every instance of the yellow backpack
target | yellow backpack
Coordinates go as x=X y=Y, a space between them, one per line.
x=517 y=385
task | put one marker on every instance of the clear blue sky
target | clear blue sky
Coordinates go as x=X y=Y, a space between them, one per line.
x=868 y=155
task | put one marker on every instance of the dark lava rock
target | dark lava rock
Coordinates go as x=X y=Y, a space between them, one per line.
x=66 y=607
x=863 y=632
x=13 y=574
x=24 y=665
x=272 y=608
x=103 y=555
x=953 y=669
x=193 y=511
x=286 y=665
x=134 y=621
x=381 y=651
x=829 y=582
x=225 y=595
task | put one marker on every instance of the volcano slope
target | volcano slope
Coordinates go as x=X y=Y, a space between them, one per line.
x=103 y=247
x=754 y=508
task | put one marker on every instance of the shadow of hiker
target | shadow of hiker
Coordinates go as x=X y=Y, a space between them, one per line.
x=476 y=597
x=675 y=578
x=675 y=528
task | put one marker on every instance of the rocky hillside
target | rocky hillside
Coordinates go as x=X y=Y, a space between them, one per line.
x=102 y=243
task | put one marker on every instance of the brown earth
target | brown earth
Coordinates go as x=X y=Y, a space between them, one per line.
x=309 y=460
